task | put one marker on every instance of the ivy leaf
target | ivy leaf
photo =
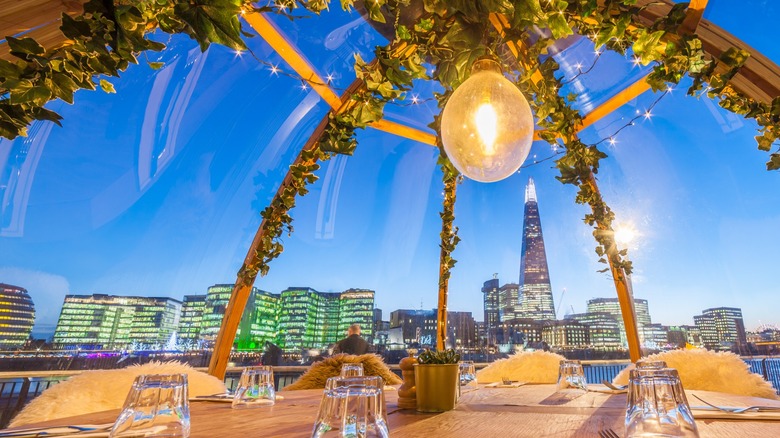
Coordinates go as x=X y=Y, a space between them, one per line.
x=156 y=65
x=41 y=113
x=734 y=57
x=25 y=91
x=9 y=70
x=63 y=87
x=558 y=25
x=213 y=21
x=403 y=32
x=108 y=87
x=25 y=48
x=648 y=46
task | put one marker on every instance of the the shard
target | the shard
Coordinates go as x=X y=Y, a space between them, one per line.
x=536 y=299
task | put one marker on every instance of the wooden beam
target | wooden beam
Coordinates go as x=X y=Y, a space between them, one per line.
x=241 y=289
x=693 y=15
x=273 y=36
x=624 y=96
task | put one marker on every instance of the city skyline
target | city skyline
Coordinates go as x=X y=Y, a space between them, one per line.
x=222 y=287
x=157 y=189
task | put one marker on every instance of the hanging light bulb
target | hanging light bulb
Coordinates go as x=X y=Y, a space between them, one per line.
x=487 y=127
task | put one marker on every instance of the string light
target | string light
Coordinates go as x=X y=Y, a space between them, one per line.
x=274 y=70
x=612 y=141
x=329 y=77
x=415 y=99
x=304 y=87
x=647 y=115
x=636 y=61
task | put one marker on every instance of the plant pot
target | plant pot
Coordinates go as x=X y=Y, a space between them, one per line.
x=437 y=387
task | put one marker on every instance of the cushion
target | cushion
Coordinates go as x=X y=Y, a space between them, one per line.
x=526 y=366
x=711 y=371
x=319 y=372
x=103 y=390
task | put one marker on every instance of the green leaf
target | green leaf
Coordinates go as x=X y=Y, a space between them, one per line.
x=25 y=91
x=156 y=65
x=24 y=47
x=403 y=32
x=558 y=26
x=108 y=87
x=213 y=21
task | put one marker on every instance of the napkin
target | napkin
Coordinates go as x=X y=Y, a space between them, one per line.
x=708 y=412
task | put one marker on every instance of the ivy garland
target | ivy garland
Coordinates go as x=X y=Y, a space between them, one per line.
x=450 y=35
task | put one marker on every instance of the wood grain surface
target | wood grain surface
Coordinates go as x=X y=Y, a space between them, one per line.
x=527 y=411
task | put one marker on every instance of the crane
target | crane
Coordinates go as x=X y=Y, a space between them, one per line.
x=560 y=300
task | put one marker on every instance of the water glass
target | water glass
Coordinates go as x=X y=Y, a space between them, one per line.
x=467 y=373
x=571 y=376
x=351 y=370
x=363 y=397
x=657 y=405
x=255 y=388
x=156 y=406
x=648 y=364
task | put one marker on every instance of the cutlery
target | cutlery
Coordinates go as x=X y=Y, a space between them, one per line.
x=609 y=385
x=608 y=433
x=731 y=410
x=52 y=431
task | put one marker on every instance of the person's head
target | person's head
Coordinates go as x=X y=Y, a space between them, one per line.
x=354 y=329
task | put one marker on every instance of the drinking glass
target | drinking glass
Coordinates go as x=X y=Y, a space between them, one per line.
x=657 y=405
x=334 y=405
x=156 y=406
x=351 y=370
x=255 y=388
x=468 y=373
x=571 y=376
x=648 y=364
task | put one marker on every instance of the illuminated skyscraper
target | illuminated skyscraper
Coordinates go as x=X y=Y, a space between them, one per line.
x=17 y=315
x=536 y=299
x=492 y=305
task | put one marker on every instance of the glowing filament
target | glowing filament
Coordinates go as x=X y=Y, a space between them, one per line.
x=487 y=126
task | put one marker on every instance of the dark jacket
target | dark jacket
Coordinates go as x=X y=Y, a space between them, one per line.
x=352 y=344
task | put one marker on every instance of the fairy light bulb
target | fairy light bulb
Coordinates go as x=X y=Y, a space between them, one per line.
x=487 y=127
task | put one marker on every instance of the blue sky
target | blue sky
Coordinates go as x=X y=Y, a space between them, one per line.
x=156 y=190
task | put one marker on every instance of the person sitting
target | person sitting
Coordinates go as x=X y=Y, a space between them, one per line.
x=353 y=343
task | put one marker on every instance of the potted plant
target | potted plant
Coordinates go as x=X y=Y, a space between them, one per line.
x=436 y=379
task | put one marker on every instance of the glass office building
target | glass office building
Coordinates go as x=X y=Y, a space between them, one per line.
x=17 y=315
x=722 y=328
x=101 y=321
x=191 y=319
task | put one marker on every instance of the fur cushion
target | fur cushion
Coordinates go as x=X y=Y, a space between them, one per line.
x=530 y=367
x=711 y=371
x=319 y=372
x=103 y=390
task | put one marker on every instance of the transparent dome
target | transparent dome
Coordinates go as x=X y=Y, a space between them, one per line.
x=156 y=190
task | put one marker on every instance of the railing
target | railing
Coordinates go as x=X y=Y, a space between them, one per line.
x=18 y=388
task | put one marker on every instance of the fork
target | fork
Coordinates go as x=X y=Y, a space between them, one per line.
x=738 y=410
x=608 y=433
x=609 y=385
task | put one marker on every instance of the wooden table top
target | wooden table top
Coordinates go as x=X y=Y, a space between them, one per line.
x=527 y=411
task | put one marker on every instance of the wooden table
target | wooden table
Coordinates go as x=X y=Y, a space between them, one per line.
x=527 y=411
